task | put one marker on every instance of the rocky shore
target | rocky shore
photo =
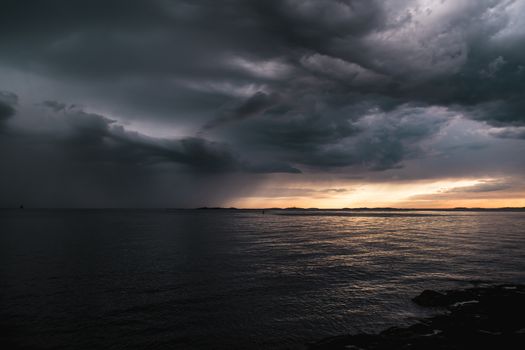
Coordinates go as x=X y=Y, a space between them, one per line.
x=490 y=317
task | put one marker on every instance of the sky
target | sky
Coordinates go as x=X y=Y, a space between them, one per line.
x=251 y=103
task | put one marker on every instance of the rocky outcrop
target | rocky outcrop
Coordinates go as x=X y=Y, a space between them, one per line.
x=475 y=318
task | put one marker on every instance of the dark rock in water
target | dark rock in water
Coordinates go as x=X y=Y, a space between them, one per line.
x=431 y=298
x=477 y=318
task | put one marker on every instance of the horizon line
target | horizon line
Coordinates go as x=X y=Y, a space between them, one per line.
x=263 y=208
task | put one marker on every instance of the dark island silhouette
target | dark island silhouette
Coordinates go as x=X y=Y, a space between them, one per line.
x=297 y=209
x=365 y=209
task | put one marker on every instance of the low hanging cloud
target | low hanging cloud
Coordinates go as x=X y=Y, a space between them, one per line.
x=302 y=192
x=93 y=137
x=255 y=105
x=375 y=140
x=94 y=150
x=510 y=132
x=484 y=189
x=8 y=102
x=484 y=186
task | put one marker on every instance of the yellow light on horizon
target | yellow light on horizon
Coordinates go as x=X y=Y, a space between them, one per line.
x=387 y=194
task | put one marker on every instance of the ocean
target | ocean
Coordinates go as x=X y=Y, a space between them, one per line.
x=235 y=279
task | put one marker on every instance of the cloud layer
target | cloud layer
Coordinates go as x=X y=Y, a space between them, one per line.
x=379 y=90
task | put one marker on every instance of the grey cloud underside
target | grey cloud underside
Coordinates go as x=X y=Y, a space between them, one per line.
x=253 y=106
x=371 y=46
x=302 y=192
x=225 y=63
x=485 y=189
x=486 y=186
x=94 y=138
x=77 y=158
x=6 y=111
x=510 y=133
x=353 y=86
x=7 y=106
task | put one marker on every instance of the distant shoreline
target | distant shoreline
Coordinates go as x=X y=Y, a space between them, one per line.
x=459 y=209
x=371 y=209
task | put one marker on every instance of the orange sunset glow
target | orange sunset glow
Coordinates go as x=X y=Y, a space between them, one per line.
x=419 y=194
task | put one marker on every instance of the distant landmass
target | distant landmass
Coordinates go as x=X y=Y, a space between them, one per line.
x=372 y=209
x=362 y=209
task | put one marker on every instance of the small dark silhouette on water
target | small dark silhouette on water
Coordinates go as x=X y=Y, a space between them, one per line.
x=21 y=206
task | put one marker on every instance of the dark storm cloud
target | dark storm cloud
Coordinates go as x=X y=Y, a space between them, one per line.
x=267 y=86
x=252 y=106
x=56 y=106
x=92 y=137
x=95 y=138
x=377 y=142
x=77 y=158
x=8 y=101
x=327 y=45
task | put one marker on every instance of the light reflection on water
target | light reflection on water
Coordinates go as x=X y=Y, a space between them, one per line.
x=214 y=279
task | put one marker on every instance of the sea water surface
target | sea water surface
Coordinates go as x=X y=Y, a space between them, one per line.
x=218 y=279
